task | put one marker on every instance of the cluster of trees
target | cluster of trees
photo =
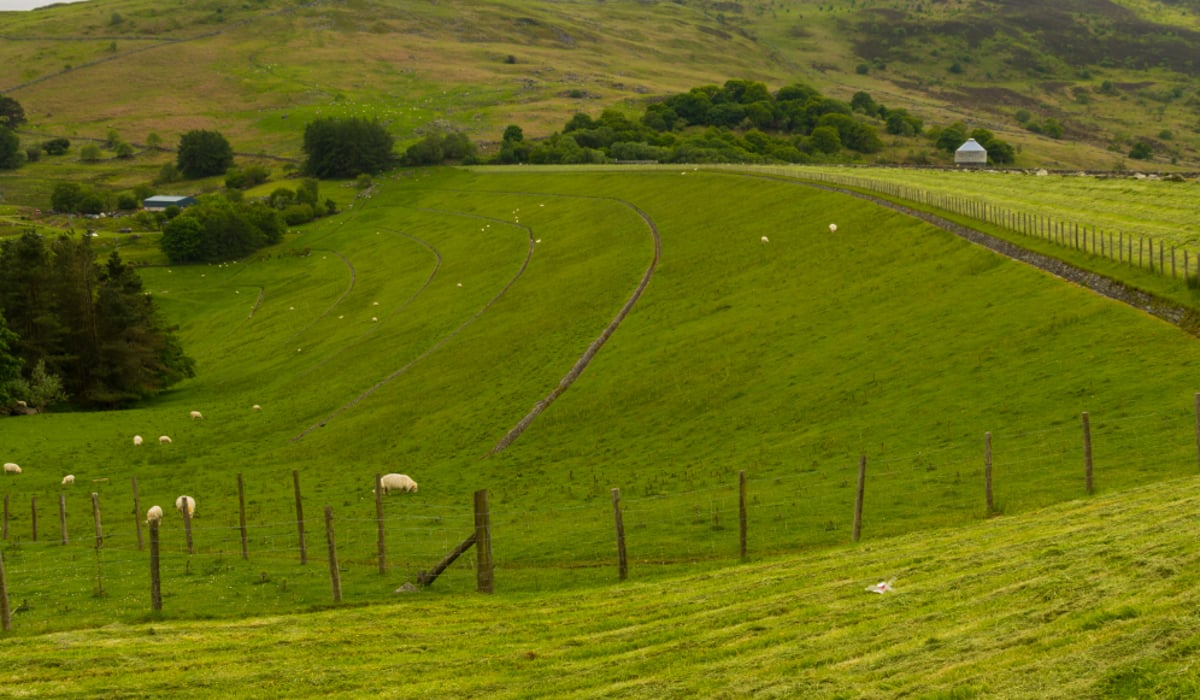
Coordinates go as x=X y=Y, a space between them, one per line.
x=740 y=121
x=347 y=147
x=216 y=229
x=71 y=328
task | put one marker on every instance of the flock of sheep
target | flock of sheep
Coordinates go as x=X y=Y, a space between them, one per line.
x=389 y=482
x=832 y=229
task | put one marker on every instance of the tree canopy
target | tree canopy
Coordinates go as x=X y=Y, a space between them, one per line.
x=11 y=155
x=12 y=114
x=217 y=229
x=203 y=153
x=84 y=330
x=346 y=147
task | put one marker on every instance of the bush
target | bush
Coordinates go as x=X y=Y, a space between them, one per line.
x=337 y=148
x=298 y=214
x=56 y=147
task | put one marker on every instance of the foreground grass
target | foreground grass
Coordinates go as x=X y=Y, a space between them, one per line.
x=1094 y=598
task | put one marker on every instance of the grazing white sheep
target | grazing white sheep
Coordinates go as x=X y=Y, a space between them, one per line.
x=137 y=440
x=833 y=228
x=256 y=407
x=397 y=482
x=196 y=415
x=22 y=404
x=10 y=468
x=68 y=480
x=766 y=240
x=188 y=502
x=154 y=515
x=164 y=439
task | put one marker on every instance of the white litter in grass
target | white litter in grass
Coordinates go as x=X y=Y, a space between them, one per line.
x=882 y=587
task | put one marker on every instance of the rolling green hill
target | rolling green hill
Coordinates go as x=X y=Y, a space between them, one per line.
x=1110 y=73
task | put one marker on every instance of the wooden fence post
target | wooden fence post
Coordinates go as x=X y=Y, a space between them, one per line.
x=242 y=515
x=484 y=566
x=299 y=516
x=5 y=612
x=987 y=471
x=155 y=581
x=1197 y=398
x=62 y=516
x=5 y=516
x=742 y=513
x=187 y=526
x=622 y=562
x=33 y=513
x=858 y=500
x=1087 y=451
x=137 y=512
x=96 y=517
x=382 y=541
x=335 y=578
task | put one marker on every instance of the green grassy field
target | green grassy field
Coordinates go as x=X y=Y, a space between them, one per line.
x=788 y=360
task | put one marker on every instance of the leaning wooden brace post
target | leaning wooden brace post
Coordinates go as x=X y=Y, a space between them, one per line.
x=335 y=578
x=299 y=516
x=858 y=499
x=137 y=512
x=155 y=580
x=1087 y=452
x=242 y=515
x=622 y=562
x=382 y=541
x=426 y=578
x=987 y=471
x=484 y=567
x=5 y=612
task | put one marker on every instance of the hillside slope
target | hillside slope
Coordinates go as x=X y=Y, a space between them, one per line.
x=1108 y=73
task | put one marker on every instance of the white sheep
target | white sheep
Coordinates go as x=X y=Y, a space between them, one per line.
x=190 y=504
x=137 y=440
x=397 y=482
x=68 y=480
x=766 y=240
x=22 y=404
x=833 y=228
x=10 y=468
x=154 y=515
x=196 y=415
x=256 y=408
x=164 y=439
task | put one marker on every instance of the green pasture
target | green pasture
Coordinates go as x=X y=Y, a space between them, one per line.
x=1093 y=598
x=413 y=330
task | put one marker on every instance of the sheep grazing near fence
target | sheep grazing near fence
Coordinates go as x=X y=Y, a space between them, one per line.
x=10 y=468
x=397 y=482
x=164 y=439
x=137 y=440
x=68 y=480
x=186 y=502
x=196 y=415
x=154 y=515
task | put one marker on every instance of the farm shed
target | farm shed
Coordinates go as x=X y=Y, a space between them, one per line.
x=159 y=202
x=970 y=153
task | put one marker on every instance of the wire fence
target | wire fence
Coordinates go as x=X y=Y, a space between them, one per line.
x=806 y=507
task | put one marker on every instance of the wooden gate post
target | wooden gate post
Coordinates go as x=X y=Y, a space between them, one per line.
x=484 y=566
x=622 y=562
x=62 y=516
x=858 y=499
